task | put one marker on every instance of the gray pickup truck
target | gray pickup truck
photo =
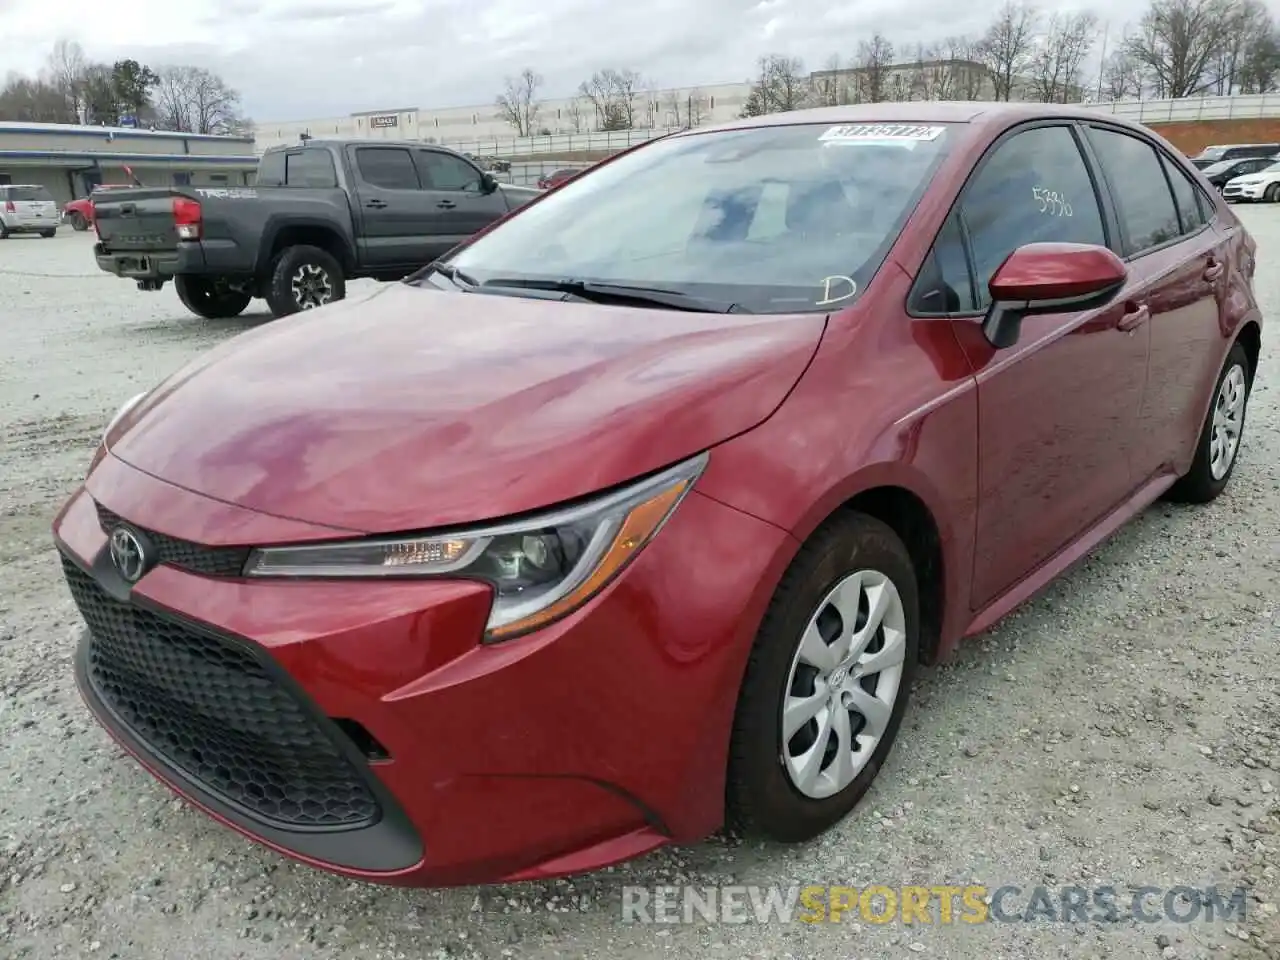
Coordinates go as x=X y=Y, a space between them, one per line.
x=319 y=214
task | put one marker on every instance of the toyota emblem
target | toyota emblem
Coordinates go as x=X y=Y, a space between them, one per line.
x=128 y=554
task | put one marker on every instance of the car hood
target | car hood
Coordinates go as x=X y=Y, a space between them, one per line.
x=417 y=408
x=519 y=194
x=1247 y=178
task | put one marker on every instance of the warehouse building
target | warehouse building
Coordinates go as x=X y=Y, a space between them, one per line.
x=71 y=160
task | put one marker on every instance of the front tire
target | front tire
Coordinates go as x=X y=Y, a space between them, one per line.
x=304 y=278
x=79 y=222
x=210 y=299
x=1272 y=194
x=827 y=682
x=48 y=234
x=1219 y=445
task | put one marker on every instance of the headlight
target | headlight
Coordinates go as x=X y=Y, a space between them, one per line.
x=128 y=405
x=541 y=568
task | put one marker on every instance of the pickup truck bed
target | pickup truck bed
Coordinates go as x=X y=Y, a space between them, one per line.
x=296 y=244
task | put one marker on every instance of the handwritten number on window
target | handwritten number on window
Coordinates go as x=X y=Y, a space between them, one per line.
x=1051 y=202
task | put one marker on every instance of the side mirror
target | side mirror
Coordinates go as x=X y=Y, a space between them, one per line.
x=1049 y=278
x=488 y=183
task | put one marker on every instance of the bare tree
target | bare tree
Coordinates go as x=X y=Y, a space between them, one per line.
x=780 y=85
x=1122 y=77
x=933 y=76
x=970 y=76
x=576 y=115
x=518 y=103
x=33 y=101
x=1178 y=41
x=68 y=71
x=1259 y=68
x=831 y=84
x=196 y=100
x=1059 y=55
x=649 y=92
x=1007 y=46
x=612 y=94
x=874 y=68
x=1250 y=21
x=695 y=107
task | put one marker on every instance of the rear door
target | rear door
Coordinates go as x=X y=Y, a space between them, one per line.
x=462 y=204
x=1167 y=240
x=397 y=214
x=34 y=206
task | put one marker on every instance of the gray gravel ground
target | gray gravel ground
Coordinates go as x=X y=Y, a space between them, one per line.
x=1120 y=730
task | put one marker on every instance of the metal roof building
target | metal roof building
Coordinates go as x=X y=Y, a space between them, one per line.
x=69 y=160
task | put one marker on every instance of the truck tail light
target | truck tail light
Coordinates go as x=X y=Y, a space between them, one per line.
x=187 y=218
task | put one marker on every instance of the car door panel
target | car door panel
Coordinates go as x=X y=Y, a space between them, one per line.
x=462 y=207
x=1057 y=410
x=395 y=211
x=1179 y=259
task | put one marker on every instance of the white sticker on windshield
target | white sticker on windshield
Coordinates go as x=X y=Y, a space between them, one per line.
x=899 y=134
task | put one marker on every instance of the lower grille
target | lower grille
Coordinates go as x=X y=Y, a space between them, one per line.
x=210 y=708
x=195 y=557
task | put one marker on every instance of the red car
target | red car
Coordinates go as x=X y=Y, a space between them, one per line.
x=639 y=511
x=79 y=213
x=557 y=178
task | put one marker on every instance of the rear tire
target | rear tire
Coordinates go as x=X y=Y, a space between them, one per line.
x=1218 y=448
x=79 y=222
x=4 y=231
x=794 y=719
x=210 y=299
x=48 y=234
x=304 y=278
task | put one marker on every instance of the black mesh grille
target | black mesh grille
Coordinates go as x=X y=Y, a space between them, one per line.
x=211 y=709
x=210 y=561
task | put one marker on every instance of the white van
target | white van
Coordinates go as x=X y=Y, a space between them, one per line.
x=27 y=208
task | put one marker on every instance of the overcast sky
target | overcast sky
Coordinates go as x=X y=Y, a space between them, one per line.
x=305 y=59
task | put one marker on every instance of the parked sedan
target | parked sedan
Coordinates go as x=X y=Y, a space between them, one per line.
x=557 y=177
x=1262 y=185
x=638 y=512
x=1220 y=174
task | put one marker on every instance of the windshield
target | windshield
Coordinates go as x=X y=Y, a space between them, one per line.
x=776 y=219
x=1211 y=153
x=1270 y=168
x=1222 y=166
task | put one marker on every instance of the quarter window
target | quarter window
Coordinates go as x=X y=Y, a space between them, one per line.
x=945 y=284
x=1034 y=188
x=390 y=168
x=1142 y=195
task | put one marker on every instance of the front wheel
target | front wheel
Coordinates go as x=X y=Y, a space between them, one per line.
x=79 y=222
x=211 y=299
x=1219 y=442
x=47 y=234
x=827 y=682
x=304 y=278
x=1272 y=194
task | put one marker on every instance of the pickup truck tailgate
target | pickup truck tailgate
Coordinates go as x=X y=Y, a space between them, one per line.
x=142 y=221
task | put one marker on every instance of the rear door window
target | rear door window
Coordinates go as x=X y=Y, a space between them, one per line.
x=310 y=168
x=390 y=168
x=1143 y=198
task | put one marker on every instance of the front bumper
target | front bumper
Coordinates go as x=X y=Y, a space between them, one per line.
x=591 y=741
x=1252 y=191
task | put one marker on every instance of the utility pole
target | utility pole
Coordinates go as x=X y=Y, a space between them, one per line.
x=1102 y=63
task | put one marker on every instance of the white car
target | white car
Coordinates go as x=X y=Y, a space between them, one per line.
x=27 y=208
x=1262 y=185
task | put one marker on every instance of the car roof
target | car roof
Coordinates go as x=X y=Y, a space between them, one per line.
x=360 y=142
x=917 y=111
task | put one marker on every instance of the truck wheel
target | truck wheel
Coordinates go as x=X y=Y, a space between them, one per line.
x=303 y=278
x=210 y=298
x=79 y=221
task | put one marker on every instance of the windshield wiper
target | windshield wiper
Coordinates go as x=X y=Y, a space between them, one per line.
x=607 y=292
x=450 y=273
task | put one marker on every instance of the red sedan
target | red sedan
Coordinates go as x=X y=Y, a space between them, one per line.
x=639 y=512
x=556 y=178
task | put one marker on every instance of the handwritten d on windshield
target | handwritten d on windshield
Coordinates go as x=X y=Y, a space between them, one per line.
x=833 y=287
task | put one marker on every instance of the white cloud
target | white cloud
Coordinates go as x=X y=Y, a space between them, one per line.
x=301 y=59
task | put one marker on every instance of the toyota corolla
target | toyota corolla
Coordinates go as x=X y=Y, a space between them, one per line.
x=636 y=514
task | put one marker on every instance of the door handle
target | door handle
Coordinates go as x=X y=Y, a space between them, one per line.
x=1135 y=316
x=375 y=204
x=1213 y=271
x=446 y=204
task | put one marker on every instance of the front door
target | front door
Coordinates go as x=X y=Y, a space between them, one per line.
x=1056 y=410
x=463 y=206
x=396 y=213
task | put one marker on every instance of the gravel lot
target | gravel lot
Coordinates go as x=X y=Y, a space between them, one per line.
x=1120 y=730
